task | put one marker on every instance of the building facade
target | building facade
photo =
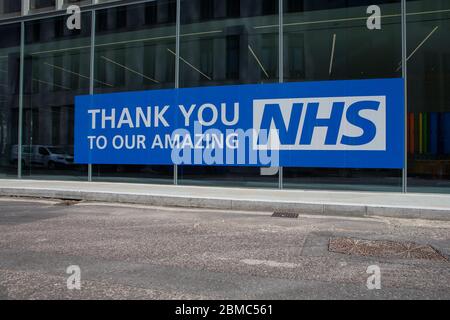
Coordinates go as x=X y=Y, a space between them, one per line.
x=145 y=45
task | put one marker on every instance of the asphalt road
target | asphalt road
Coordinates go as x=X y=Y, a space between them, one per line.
x=138 y=252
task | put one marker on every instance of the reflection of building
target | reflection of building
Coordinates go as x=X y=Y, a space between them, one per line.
x=9 y=92
x=222 y=42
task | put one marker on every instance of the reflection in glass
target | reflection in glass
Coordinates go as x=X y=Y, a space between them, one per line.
x=9 y=99
x=42 y=5
x=55 y=72
x=226 y=43
x=331 y=41
x=223 y=43
x=67 y=3
x=428 y=25
x=10 y=8
x=134 y=46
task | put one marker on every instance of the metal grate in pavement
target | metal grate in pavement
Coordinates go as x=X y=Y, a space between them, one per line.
x=67 y=202
x=285 y=215
x=384 y=248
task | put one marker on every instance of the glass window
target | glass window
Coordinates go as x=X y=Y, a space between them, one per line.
x=55 y=72
x=226 y=43
x=428 y=27
x=42 y=5
x=330 y=40
x=9 y=99
x=134 y=46
x=67 y=3
x=223 y=42
x=103 y=1
x=10 y=8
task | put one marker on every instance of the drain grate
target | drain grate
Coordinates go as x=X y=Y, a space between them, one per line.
x=67 y=202
x=285 y=215
x=385 y=249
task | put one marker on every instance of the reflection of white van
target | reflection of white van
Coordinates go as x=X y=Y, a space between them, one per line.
x=45 y=156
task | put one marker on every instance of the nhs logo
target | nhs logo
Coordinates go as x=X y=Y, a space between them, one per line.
x=322 y=124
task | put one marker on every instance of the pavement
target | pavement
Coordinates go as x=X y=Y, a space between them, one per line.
x=129 y=251
x=343 y=203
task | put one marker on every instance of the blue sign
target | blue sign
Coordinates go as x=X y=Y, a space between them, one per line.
x=340 y=124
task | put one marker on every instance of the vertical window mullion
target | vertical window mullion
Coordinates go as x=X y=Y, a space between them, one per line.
x=91 y=71
x=405 y=79
x=21 y=80
x=280 y=68
x=177 y=68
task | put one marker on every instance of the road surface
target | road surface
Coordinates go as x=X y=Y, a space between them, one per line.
x=138 y=252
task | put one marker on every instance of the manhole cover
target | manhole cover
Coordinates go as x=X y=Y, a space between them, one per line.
x=381 y=248
x=285 y=215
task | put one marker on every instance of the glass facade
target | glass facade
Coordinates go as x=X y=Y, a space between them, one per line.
x=9 y=98
x=54 y=73
x=222 y=43
x=42 y=5
x=10 y=8
x=428 y=25
x=329 y=40
x=133 y=51
x=134 y=46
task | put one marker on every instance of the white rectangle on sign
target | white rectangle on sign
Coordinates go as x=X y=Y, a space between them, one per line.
x=372 y=118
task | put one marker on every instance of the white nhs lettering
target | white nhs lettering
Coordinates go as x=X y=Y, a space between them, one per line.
x=337 y=123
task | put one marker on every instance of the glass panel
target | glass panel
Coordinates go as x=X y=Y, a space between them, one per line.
x=103 y=1
x=9 y=98
x=428 y=27
x=133 y=52
x=330 y=40
x=67 y=3
x=55 y=72
x=10 y=8
x=223 y=43
x=42 y=5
